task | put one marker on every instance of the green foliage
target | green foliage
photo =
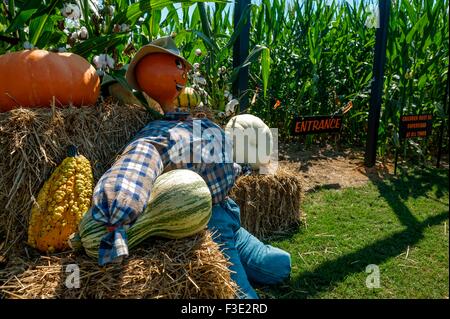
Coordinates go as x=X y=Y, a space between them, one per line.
x=118 y=28
x=113 y=27
x=217 y=37
x=323 y=55
x=313 y=56
x=416 y=68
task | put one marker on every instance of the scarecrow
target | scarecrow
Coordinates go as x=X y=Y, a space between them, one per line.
x=124 y=190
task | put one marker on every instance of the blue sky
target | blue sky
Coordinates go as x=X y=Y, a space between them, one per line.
x=164 y=12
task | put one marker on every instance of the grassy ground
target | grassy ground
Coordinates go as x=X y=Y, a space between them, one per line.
x=400 y=225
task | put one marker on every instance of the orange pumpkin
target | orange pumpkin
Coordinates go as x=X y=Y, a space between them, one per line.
x=162 y=76
x=33 y=78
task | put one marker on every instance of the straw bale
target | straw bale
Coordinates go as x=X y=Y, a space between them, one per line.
x=269 y=203
x=34 y=141
x=190 y=268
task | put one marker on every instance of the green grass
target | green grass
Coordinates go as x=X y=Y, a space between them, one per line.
x=401 y=225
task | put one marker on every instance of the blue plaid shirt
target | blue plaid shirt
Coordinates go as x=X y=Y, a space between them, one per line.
x=123 y=192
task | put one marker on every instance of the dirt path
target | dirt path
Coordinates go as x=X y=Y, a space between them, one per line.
x=330 y=168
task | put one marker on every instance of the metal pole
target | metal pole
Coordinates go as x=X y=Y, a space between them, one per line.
x=240 y=53
x=377 y=83
x=396 y=158
x=441 y=129
x=401 y=143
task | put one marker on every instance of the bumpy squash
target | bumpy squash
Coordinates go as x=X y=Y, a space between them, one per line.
x=61 y=203
x=180 y=206
x=247 y=130
x=32 y=78
x=188 y=98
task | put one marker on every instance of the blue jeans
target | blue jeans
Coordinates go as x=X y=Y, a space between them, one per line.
x=251 y=259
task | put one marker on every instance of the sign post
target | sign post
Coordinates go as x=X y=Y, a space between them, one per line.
x=240 y=53
x=441 y=129
x=377 y=83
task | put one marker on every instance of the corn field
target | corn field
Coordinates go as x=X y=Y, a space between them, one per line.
x=322 y=56
x=310 y=57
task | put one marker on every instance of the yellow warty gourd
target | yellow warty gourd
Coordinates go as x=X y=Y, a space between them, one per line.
x=61 y=203
x=188 y=98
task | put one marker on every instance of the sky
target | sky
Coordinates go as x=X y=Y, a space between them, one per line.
x=164 y=11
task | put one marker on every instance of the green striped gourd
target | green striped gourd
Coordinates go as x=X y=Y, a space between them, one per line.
x=188 y=98
x=180 y=206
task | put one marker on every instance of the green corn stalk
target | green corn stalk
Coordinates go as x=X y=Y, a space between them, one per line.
x=326 y=49
x=219 y=50
x=314 y=55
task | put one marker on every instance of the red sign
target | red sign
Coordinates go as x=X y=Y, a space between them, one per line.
x=416 y=125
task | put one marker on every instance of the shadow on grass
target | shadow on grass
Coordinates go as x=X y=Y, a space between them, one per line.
x=285 y=234
x=324 y=187
x=413 y=184
x=309 y=284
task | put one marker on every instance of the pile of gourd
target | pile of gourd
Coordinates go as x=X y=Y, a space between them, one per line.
x=39 y=79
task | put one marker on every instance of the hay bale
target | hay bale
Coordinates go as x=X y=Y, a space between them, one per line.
x=270 y=204
x=34 y=141
x=190 y=268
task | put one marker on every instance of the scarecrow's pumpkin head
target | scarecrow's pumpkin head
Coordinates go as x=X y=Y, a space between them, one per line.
x=159 y=70
x=162 y=76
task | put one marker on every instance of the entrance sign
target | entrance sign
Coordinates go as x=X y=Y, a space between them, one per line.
x=416 y=125
x=316 y=124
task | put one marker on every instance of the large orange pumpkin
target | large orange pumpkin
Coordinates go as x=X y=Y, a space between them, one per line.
x=162 y=76
x=32 y=78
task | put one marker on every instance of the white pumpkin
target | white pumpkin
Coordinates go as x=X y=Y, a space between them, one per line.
x=252 y=140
